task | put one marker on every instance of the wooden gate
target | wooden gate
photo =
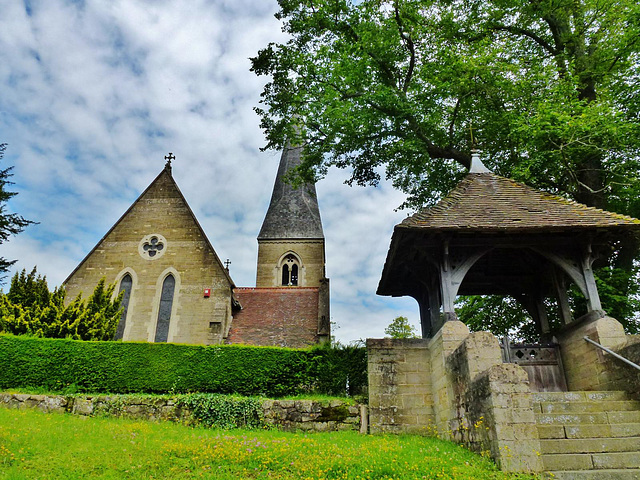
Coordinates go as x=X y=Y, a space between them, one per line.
x=542 y=363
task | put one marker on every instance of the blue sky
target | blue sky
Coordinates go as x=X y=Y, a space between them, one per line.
x=94 y=94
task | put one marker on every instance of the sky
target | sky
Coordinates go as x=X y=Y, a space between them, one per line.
x=94 y=94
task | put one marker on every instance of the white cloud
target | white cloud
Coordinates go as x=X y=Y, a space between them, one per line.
x=94 y=94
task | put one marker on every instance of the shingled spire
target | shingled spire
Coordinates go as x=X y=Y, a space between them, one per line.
x=293 y=212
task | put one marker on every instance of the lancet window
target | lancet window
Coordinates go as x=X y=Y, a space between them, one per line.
x=125 y=286
x=164 y=310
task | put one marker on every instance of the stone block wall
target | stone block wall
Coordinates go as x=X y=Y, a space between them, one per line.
x=310 y=251
x=454 y=385
x=587 y=367
x=400 y=393
x=289 y=415
x=441 y=346
x=475 y=355
x=629 y=375
x=499 y=418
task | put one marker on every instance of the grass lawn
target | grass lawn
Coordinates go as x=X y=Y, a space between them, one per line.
x=34 y=446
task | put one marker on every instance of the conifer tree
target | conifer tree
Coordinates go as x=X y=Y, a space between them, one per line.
x=29 y=308
x=10 y=223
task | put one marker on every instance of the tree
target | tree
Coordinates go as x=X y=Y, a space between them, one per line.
x=10 y=223
x=549 y=88
x=404 y=88
x=29 y=308
x=400 y=328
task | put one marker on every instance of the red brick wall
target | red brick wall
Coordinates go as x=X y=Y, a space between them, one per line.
x=284 y=317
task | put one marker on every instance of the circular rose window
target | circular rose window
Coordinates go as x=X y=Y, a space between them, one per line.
x=152 y=246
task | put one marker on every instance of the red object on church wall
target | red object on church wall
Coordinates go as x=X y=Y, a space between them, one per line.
x=207 y=292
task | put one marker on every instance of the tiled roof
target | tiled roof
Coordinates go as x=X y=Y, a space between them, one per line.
x=489 y=202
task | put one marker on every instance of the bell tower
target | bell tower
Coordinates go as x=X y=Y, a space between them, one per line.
x=291 y=242
x=291 y=250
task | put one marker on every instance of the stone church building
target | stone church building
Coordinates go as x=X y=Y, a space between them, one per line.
x=177 y=290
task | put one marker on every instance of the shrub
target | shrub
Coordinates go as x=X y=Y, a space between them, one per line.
x=224 y=411
x=31 y=309
x=131 y=367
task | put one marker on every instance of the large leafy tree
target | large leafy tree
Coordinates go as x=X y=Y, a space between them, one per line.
x=549 y=90
x=10 y=223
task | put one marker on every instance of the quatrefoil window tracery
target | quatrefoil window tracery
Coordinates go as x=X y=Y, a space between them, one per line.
x=152 y=247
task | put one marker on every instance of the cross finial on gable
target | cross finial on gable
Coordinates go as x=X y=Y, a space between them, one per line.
x=227 y=263
x=168 y=158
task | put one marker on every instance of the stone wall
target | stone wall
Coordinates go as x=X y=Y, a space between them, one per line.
x=310 y=252
x=289 y=415
x=400 y=399
x=630 y=376
x=493 y=404
x=454 y=385
x=586 y=366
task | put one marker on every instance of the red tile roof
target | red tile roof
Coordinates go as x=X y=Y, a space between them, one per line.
x=286 y=317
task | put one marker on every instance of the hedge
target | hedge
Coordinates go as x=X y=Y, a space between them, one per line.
x=132 y=367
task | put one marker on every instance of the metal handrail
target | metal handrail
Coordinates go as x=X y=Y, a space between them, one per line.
x=611 y=352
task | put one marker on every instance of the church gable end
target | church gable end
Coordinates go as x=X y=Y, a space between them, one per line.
x=155 y=245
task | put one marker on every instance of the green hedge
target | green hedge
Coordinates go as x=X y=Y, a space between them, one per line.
x=129 y=367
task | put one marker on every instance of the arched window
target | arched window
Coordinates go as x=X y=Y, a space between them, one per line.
x=290 y=269
x=164 y=310
x=125 y=286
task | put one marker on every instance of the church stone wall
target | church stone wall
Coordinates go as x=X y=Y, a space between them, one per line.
x=187 y=255
x=270 y=252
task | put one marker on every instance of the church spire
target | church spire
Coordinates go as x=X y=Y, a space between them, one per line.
x=293 y=212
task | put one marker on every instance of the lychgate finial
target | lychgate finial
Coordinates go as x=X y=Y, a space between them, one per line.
x=168 y=158
x=476 y=164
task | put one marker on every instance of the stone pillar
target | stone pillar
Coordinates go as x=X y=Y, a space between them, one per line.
x=587 y=367
x=444 y=342
x=501 y=419
x=400 y=395
x=324 y=324
x=475 y=355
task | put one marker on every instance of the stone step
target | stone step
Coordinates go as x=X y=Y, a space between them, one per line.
x=591 y=461
x=590 y=445
x=587 y=418
x=619 y=474
x=587 y=407
x=605 y=430
x=580 y=396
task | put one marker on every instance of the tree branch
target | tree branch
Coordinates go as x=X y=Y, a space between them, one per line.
x=527 y=33
x=409 y=45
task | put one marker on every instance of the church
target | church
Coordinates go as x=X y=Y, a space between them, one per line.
x=176 y=289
